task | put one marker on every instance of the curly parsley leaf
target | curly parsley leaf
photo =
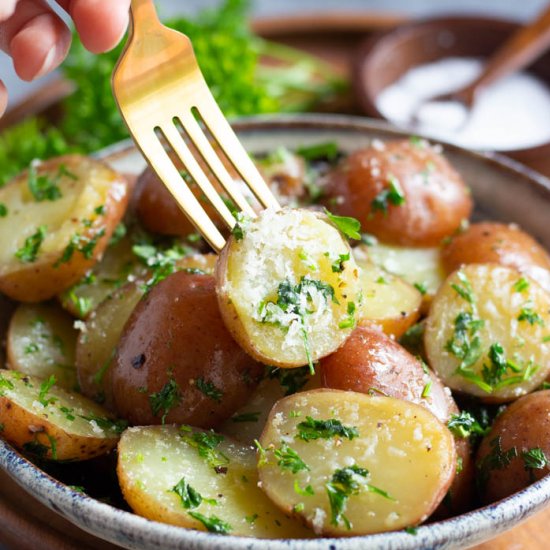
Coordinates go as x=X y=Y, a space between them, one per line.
x=350 y=227
x=311 y=429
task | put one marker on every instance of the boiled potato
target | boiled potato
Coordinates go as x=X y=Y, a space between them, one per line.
x=96 y=344
x=486 y=333
x=388 y=302
x=118 y=266
x=248 y=422
x=288 y=287
x=371 y=362
x=516 y=452
x=41 y=341
x=421 y=267
x=505 y=244
x=176 y=361
x=200 y=480
x=353 y=464
x=404 y=192
x=40 y=418
x=60 y=216
x=7 y=308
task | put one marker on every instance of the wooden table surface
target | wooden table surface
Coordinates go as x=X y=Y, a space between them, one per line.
x=25 y=524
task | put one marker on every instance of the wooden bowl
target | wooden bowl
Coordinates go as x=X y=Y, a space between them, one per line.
x=384 y=58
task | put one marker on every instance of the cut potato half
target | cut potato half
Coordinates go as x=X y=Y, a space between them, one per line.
x=59 y=217
x=118 y=266
x=388 y=301
x=38 y=417
x=96 y=344
x=353 y=464
x=200 y=480
x=41 y=341
x=418 y=266
x=487 y=333
x=288 y=287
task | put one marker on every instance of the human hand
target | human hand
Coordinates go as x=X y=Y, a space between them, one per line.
x=38 y=40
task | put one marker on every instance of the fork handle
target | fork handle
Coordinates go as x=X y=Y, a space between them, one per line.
x=143 y=15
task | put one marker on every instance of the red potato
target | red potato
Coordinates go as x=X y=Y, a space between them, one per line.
x=499 y=243
x=404 y=192
x=60 y=217
x=516 y=452
x=176 y=362
x=371 y=362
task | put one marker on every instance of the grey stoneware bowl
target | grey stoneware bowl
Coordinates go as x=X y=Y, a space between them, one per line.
x=502 y=189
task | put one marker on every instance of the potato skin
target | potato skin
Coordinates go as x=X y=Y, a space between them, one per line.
x=371 y=362
x=44 y=278
x=504 y=244
x=524 y=425
x=436 y=198
x=174 y=338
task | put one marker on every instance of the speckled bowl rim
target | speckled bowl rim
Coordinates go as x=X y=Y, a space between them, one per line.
x=132 y=531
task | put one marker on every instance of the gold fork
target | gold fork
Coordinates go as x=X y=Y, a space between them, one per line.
x=161 y=91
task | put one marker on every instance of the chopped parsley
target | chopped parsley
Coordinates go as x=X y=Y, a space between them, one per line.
x=241 y=225
x=308 y=491
x=206 y=444
x=350 y=227
x=338 y=265
x=531 y=316
x=311 y=429
x=393 y=195
x=350 y=321
x=209 y=389
x=464 y=290
x=29 y=251
x=292 y=306
x=213 y=524
x=45 y=187
x=521 y=284
x=45 y=387
x=165 y=399
x=426 y=392
x=288 y=459
x=5 y=385
x=189 y=497
x=347 y=482
x=161 y=260
x=466 y=425
x=411 y=530
x=80 y=243
x=534 y=459
x=421 y=287
x=3 y=210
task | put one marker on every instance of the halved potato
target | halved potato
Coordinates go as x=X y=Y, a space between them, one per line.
x=486 y=334
x=41 y=341
x=421 y=267
x=60 y=216
x=97 y=343
x=118 y=266
x=198 y=479
x=388 y=301
x=353 y=464
x=288 y=287
x=42 y=419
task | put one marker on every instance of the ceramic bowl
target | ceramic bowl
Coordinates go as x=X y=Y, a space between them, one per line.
x=384 y=58
x=502 y=190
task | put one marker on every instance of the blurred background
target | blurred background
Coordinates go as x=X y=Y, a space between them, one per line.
x=519 y=10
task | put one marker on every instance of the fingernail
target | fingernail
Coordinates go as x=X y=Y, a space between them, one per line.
x=48 y=64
